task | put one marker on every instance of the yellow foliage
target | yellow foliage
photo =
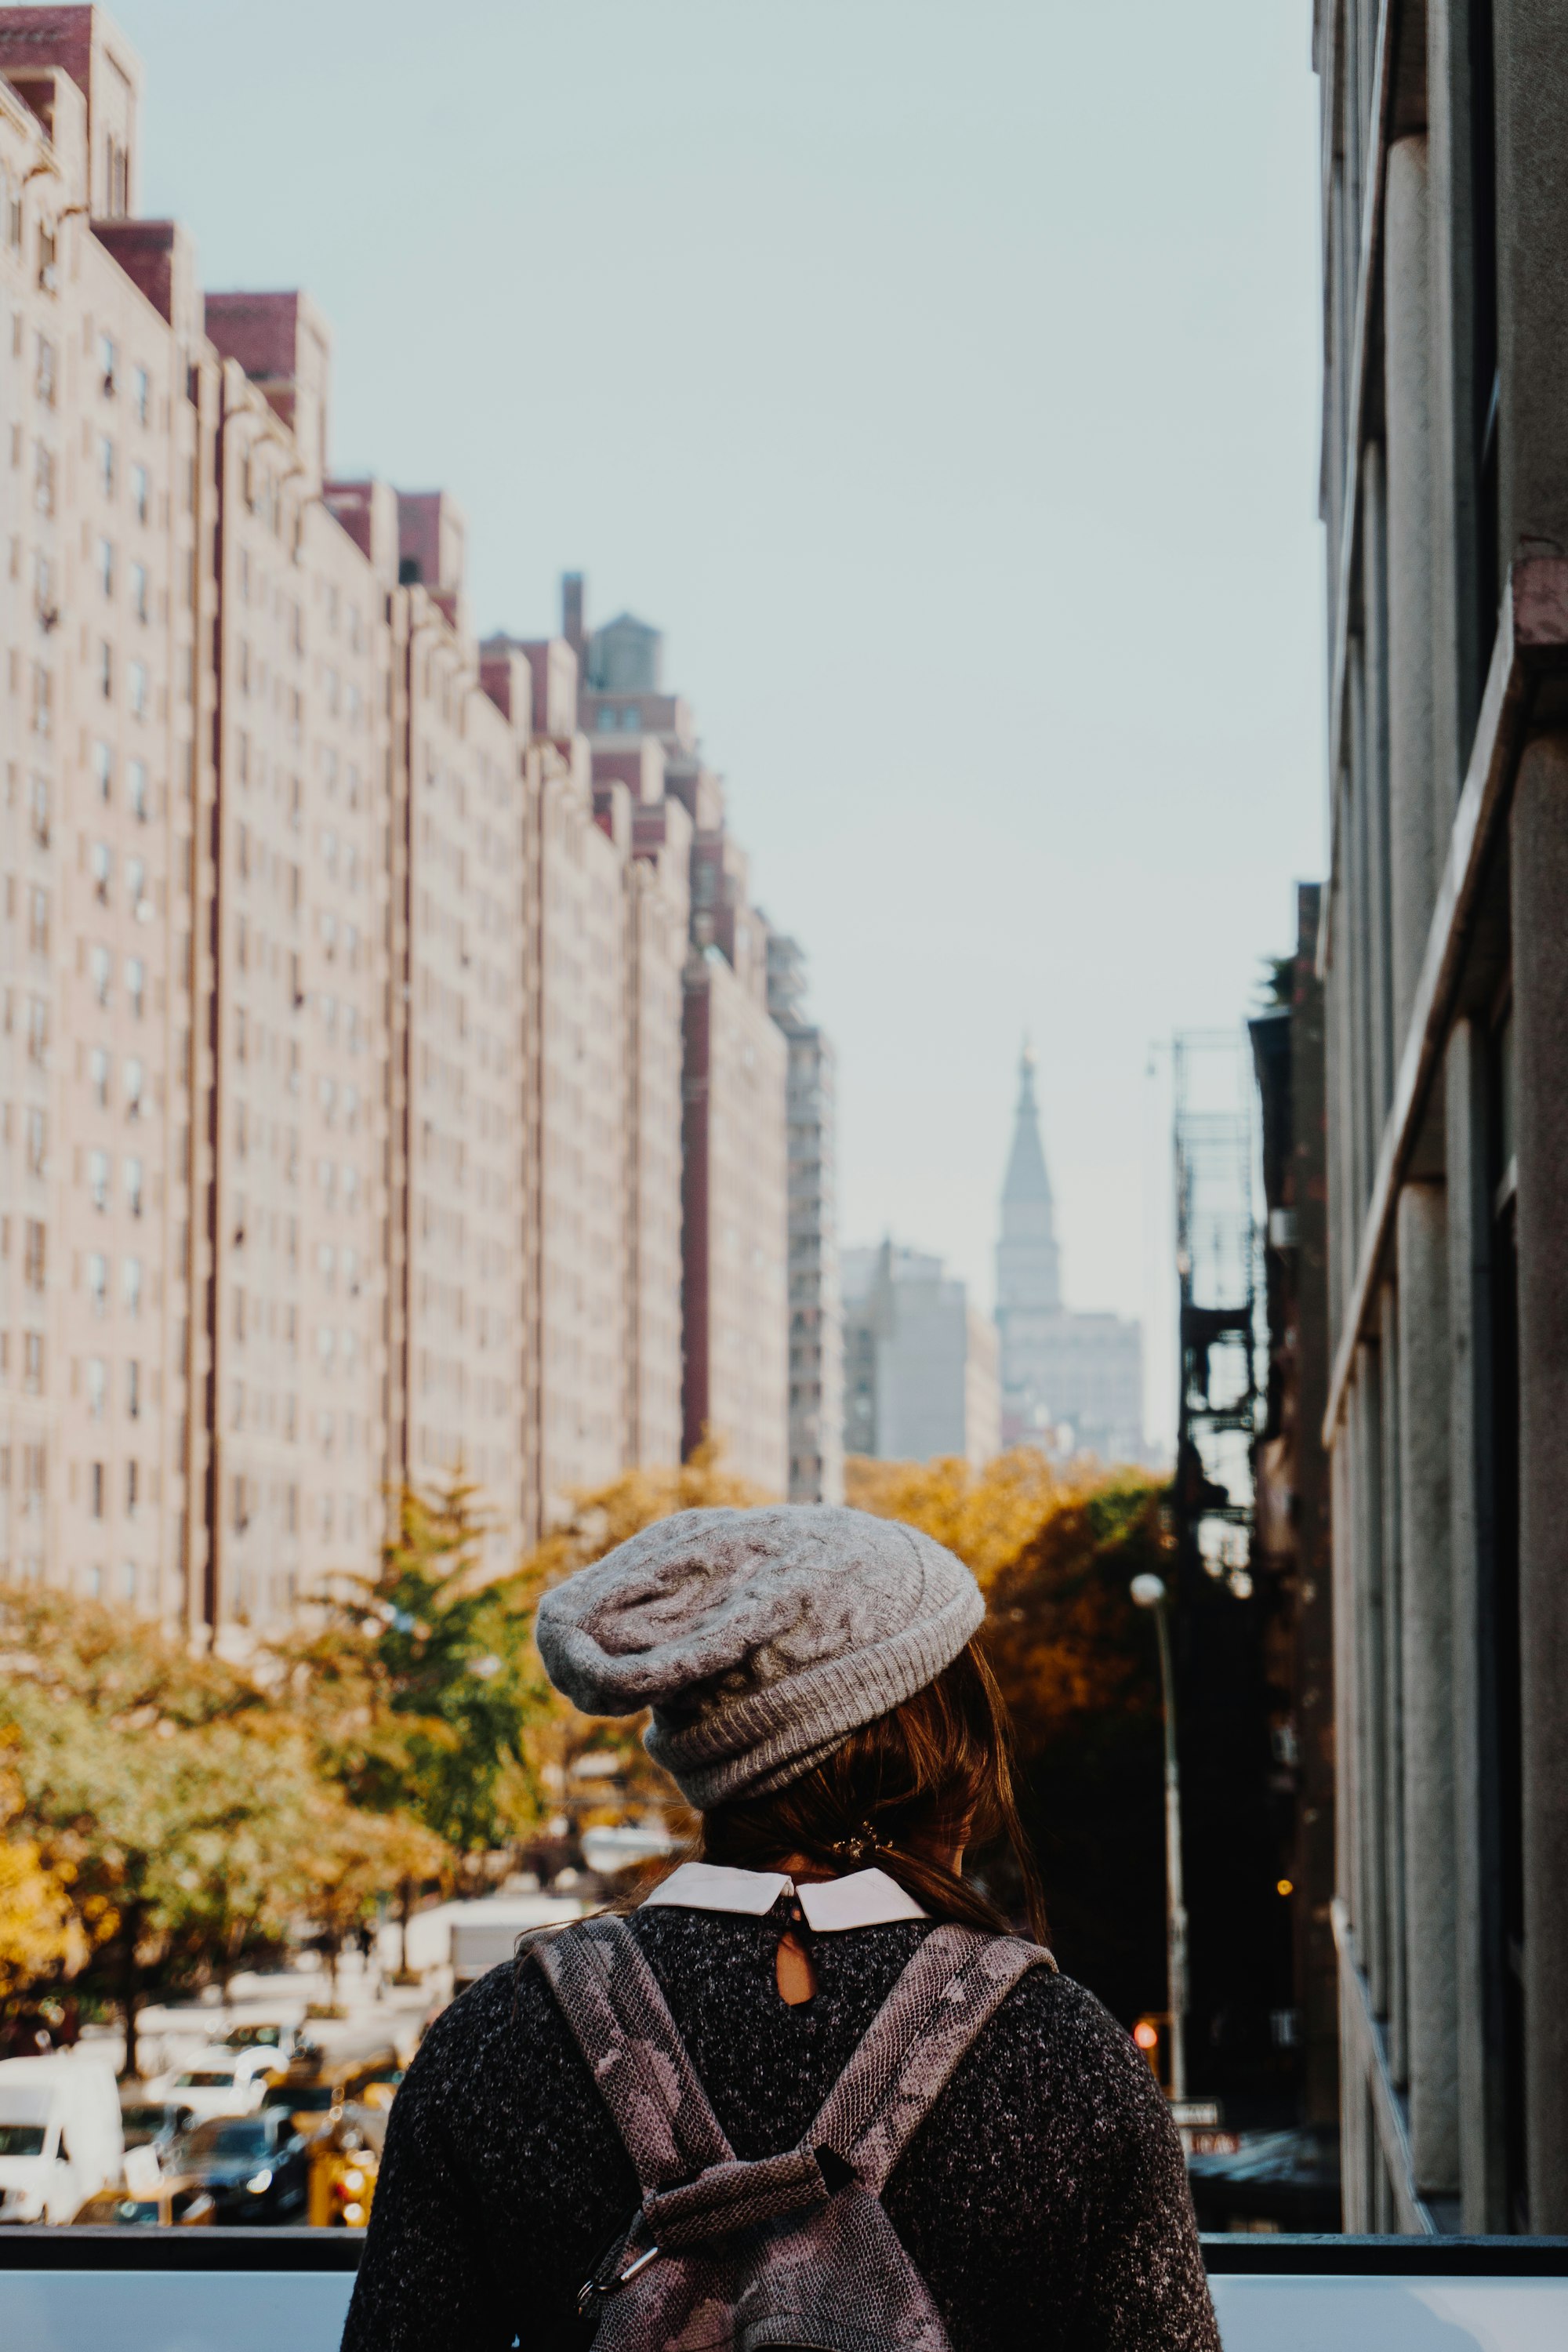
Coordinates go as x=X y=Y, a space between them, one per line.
x=986 y=1517
x=39 y=1935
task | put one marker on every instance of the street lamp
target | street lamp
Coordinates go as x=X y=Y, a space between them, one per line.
x=1148 y=1593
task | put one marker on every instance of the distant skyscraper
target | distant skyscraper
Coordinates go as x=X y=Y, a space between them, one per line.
x=920 y=1362
x=1070 y=1383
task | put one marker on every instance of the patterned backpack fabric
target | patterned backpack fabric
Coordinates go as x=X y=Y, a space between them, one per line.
x=787 y=2250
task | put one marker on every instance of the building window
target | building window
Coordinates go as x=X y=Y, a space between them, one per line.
x=140 y=499
x=98 y=1068
x=106 y=466
x=136 y=985
x=139 y=591
x=101 y=969
x=38 y=921
x=133 y=1390
x=132 y=1488
x=101 y=863
x=102 y=769
x=106 y=566
x=38 y=809
x=132 y=1079
x=108 y=365
x=136 y=776
x=95 y=1486
x=136 y=683
x=106 y=670
x=97 y=1282
x=130 y=1284
x=37 y=1142
x=141 y=394
x=98 y=1179
x=133 y=1195
x=33 y=1369
x=97 y=1387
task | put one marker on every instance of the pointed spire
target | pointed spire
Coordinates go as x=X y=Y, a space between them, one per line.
x=1028 y=1268
x=1028 y=1179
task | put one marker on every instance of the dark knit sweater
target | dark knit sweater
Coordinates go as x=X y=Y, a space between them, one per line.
x=1044 y=2198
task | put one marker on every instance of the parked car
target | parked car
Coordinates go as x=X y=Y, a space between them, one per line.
x=1271 y=2179
x=219 y=2080
x=255 y=2167
x=151 y=2123
x=178 y=2201
x=60 y=2135
x=288 y=2040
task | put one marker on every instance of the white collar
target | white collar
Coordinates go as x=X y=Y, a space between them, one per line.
x=867 y=1898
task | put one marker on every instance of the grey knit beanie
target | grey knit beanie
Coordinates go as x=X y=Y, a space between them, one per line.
x=760 y=1639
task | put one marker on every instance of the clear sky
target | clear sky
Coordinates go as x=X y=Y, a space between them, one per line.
x=939 y=374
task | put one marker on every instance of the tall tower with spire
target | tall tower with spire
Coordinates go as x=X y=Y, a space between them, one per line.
x=1070 y=1383
x=1028 y=1264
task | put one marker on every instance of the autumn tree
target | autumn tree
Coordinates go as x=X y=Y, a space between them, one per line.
x=173 y=1801
x=40 y=1934
x=1054 y=1556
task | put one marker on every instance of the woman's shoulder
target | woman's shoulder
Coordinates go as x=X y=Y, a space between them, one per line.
x=493 y=2034
x=1061 y=2034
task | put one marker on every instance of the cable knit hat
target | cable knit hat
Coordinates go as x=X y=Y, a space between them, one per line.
x=760 y=1639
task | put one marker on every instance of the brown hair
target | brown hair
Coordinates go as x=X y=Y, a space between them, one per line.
x=901 y=1793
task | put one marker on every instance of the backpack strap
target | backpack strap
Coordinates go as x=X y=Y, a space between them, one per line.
x=950 y=1990
x=621 y=2022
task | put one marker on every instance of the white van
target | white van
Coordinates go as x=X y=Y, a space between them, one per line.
x=218 y=2080
x=61 y=2139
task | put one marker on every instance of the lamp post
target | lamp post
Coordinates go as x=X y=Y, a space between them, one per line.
x=1148 y=1593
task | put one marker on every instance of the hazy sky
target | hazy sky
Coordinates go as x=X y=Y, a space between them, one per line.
x=939 y=375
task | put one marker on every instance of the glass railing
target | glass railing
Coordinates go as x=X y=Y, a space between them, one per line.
x=257 y=2289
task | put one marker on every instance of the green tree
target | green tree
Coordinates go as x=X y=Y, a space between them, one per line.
x=420 y=1683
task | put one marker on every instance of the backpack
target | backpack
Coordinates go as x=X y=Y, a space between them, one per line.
x=791 y=2251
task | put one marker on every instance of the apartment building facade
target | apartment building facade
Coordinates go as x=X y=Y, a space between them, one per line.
x=816 y=1303
x=1445 y=955
x=98 y=539
x=346 y=965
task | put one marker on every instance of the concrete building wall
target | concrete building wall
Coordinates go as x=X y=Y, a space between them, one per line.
x=458 y=826
x=297 y=1219
x=815 y=1307
x=922 y=1364
x=659 y=891
x=586 y=1079
x=1445 y=500
x=345 y=982
x=94 y=933
x=735 y=1222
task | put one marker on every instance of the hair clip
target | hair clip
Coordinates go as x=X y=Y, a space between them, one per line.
x=856 y=1848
